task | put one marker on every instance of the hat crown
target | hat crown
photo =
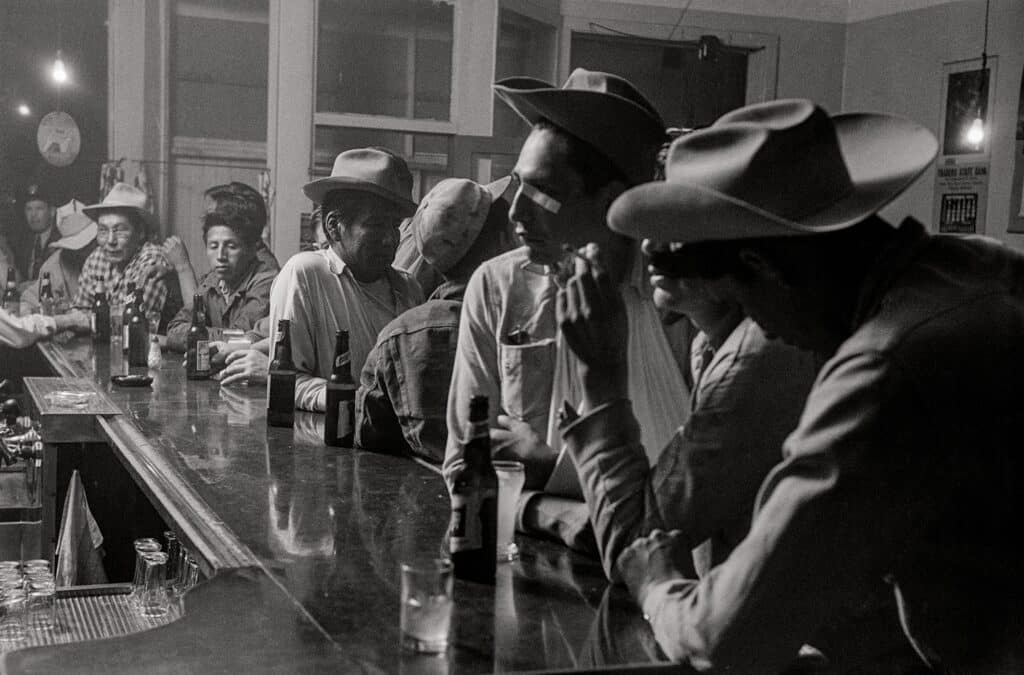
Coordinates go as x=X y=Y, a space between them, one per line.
x=128 y=196
x=582 y=79
x=374 y=166
x=783 y=157
x=448 y=221
x=35 y=193
x=70 y=219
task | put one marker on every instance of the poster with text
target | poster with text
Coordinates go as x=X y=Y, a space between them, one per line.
x=961 y=195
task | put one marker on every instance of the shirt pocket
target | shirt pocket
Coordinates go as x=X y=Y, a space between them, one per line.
x=526 y=375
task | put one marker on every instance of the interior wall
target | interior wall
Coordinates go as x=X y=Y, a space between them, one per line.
x=894 y=64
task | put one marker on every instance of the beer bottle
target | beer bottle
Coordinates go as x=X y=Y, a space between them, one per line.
x=281 y=380
x=138 y=333
x=126 y=314
x=100 y=318
x=473 y=529
x=46 y=295
x=197 y=354
x=12 y=299
x=340 y=423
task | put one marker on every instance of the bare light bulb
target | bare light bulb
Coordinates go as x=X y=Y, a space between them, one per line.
x=24 y=110
x=60 y=71
x=976 y=132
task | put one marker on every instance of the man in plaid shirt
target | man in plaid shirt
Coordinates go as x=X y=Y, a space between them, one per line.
x=124 y=255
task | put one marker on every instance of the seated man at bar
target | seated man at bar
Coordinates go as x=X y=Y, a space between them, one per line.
x=64 y=266
x=236 y=291
x=901 y=478
x=351 y=285
x=590 y=140
x=400 y=404
x=249 y=198
x=125 y=226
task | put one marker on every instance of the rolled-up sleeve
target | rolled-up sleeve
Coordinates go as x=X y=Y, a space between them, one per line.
x=829 y=518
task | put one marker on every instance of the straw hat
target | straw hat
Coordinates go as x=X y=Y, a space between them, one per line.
x=76 y=229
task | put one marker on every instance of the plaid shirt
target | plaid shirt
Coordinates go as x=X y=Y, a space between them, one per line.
x=99 y=273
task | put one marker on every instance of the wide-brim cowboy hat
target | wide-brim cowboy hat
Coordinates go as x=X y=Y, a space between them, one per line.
x=371 y=170
x=76 y=229
x=450 y=218
x=602 y=109
x=777 y=169
x=125 y=197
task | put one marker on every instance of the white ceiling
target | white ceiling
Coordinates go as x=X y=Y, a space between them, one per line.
x=838 y=11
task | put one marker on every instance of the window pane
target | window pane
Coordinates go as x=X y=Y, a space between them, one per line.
x=686 y=91
x=386 y=57
x=525 y=47
x=220 y=74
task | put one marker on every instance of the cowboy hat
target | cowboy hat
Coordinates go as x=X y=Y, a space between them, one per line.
x=76 y=229
x=450 y=218
x=776 y=169
x=124 y=197
x=602 y=109
x=370 y=170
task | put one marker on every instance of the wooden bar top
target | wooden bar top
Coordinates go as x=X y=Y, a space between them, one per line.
x=302 y=544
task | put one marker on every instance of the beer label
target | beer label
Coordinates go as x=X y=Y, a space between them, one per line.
x=346 y=417
x=124 y=334
x=464 y=528
x=203 y=355
x=341 y=359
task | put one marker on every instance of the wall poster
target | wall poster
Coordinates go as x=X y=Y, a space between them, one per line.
x=1015 y=223
x=962 y=172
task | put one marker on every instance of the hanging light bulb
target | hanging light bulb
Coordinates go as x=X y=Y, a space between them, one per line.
x=24 y=110
x=976 y=132
x=60 y=71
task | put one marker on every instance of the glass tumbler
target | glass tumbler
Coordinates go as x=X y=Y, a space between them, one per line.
x=42 y=605
x=142 y=547
x=153 y=600
x=12 y=614
x=511 y=478
x=426 y=612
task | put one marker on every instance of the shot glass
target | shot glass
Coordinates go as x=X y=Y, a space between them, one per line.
x=142 y=547
x=153 y=600
x=511 y=477
x=426 y=613
x=12 y=614
x=42 y=605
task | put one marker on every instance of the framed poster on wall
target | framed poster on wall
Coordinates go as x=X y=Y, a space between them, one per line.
x=1015 y=223
x=962 y=170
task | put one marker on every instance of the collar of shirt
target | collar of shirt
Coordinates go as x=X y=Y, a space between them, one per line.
x=635 y=277
x=214 y=283
x=906 y=245
x=449 y=290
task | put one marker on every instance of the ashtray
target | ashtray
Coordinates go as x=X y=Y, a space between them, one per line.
x=132 y=380
x=69 y=399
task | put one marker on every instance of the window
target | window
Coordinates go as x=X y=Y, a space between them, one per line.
x=526 y=47
x=219 y=80
x=387 y=57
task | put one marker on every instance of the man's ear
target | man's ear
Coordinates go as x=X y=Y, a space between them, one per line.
x=331 y=226
x=760 y=267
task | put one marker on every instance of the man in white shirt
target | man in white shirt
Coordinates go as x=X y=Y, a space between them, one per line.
x=350 y=285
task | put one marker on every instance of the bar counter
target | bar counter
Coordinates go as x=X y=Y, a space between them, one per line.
x=300 y=546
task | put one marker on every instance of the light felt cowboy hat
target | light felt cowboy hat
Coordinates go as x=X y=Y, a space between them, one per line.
x=125 y=197
x=777 y=169
x=450 y=218
x=76 y=229
x=602 y=109
x=367 y=170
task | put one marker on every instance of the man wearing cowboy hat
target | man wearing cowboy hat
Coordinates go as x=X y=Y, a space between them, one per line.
x=351 y=285
x=77 y=241
x=400 y=405
x=124 y=227
x=902 y=476
x=590 y=140
x=39 y=217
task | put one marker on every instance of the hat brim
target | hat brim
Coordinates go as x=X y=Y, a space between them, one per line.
x=884 y=156
x=94 y=211
x=498 y=188
x=610 y=123
x=79 y=240
x=317 y=190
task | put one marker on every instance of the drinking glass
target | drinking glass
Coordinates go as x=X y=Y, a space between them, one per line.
x=426 y=613
x=42 y=604
x=116 y=319
x=142 y=547
x=173 y=555
x=153 y=600
x=12 y=614
x=511 y=477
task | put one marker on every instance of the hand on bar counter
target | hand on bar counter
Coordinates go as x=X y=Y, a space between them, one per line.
x=244 y=366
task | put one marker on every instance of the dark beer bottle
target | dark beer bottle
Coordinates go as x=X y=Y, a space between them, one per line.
x=138 y=333
x=340 y=423
x=197 y=354
x=46 y=295
x=12 y=299
x=281 y=380
x=473 y=529
x=100 y=318
x=126 y=314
